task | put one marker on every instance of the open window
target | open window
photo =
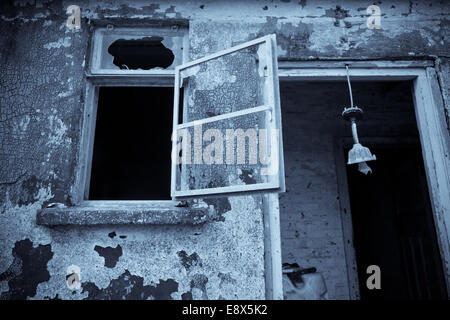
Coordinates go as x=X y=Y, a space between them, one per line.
x=125 y=144
x=127 y=122
x=227 y=123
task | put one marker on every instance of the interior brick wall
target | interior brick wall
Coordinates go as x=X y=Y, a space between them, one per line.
x=311 y=227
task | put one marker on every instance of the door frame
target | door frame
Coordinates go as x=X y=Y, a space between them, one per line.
x=433 y=131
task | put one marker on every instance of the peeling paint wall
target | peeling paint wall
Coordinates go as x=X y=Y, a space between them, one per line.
x=42 y=86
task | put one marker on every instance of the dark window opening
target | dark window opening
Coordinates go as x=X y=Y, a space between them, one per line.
x=145 y=53
x=132 y=145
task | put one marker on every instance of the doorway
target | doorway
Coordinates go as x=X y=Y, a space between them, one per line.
x=316 y=225
x=393 y=226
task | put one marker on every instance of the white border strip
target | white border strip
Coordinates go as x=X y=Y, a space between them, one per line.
x=224 y=116
x=229 y=189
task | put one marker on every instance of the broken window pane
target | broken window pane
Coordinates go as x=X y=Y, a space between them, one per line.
x=138 y=49
x=145 y=53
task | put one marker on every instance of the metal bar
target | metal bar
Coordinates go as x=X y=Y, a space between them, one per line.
x=224 y=116
x=174 y=139
x=229 y=189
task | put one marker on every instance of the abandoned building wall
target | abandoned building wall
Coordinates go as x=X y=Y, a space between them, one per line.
x=42 y=87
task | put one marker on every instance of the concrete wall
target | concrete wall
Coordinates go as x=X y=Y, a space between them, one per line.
x=42 y=87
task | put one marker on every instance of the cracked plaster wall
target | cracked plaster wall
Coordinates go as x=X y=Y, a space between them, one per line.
x=42 y=87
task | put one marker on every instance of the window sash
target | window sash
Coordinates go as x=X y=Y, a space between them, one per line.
x=273 y=121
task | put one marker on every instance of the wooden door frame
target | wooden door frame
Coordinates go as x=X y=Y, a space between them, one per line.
x=433 y=132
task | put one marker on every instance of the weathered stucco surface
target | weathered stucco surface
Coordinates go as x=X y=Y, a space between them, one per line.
x=42 y=87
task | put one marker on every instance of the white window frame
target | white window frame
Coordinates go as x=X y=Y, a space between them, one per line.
x=96 y=78
x=98 y=38
x=277 y=182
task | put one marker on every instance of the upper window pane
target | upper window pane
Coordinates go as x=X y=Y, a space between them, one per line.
x=226 y=84
x=151 y=50
x=227 y=135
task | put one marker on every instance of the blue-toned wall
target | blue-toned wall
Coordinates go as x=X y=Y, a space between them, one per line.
x=42 y=87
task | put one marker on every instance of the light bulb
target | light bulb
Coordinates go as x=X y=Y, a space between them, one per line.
x=364 y=168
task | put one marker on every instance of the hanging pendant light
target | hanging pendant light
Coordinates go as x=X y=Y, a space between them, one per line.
x=358 y=154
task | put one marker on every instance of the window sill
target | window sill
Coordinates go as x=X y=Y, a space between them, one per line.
x=91 y=213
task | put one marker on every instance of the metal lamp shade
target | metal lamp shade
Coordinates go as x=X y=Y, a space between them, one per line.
x=359 y=154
